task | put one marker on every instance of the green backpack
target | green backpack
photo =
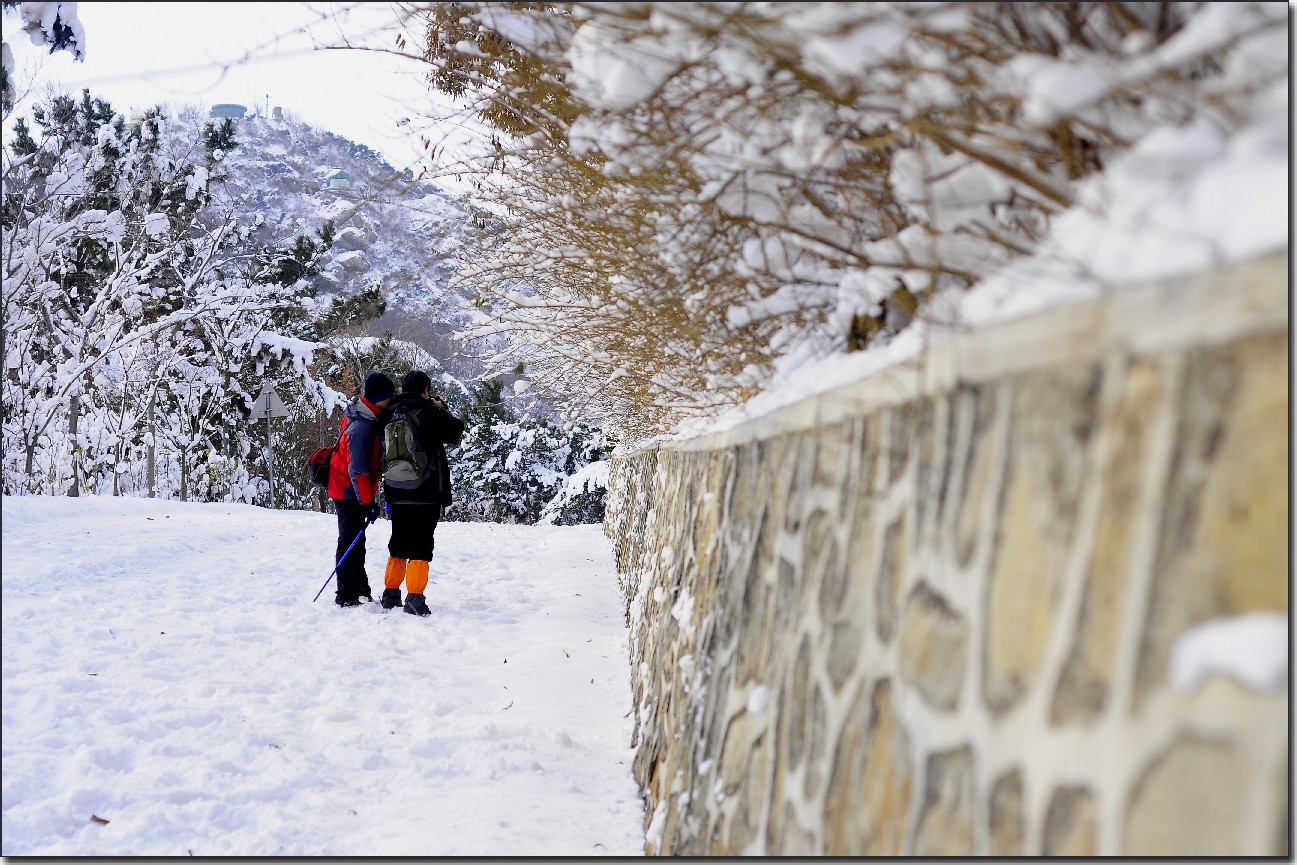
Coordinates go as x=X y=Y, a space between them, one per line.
x=405 y=464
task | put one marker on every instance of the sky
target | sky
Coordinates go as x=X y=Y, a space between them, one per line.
x=170 y=686
x=141 y=54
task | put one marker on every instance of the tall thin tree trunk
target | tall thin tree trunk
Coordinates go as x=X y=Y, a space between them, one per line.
x=153 y=456
x=117 y=449
x=74 y=417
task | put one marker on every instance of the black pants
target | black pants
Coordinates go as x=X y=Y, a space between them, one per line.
x=412 y=528
x=352 y=582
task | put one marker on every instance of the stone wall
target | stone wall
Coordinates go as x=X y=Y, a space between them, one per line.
x=931 y=613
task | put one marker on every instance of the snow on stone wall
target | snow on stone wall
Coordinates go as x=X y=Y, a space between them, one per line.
x=935 y=612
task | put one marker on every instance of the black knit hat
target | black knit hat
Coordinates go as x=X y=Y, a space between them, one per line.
x=378 y=387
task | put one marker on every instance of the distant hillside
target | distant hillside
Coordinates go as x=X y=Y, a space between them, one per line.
x=399 y=234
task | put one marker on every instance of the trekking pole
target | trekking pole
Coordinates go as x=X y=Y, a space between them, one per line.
x=358 y=536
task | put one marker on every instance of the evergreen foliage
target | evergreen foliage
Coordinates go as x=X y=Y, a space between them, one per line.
x=61 y=32
x=509 y=469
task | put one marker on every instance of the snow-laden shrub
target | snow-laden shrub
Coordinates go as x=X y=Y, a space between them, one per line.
x=696 y=200
x=581 y=498
x=510 y=470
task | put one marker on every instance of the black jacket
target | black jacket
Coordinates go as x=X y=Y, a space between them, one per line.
x=436 y=429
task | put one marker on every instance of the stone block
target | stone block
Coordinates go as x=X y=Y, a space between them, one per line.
x=756 y=793
x=1224 y=538
x=1188 y=802
x=803 y=448
x=788 y=595
x=871 y=783
x=754 y=635
x=832 y=456
x=795 y=707
x=946 y=819
x=978 y=460
x=1018 y=620
x=791 y=839
x=822 y=569
x=933 y=648
x=817 y=734
x=846 y=643
x=891 y=569
x=900 y=434
x=1005 y=819
x=932 y=456
x=1087 y=674
x=1071 y=823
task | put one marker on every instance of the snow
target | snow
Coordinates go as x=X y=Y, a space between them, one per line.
x=616 y=79
x=166 y=671
x=683 y=611
x=278 y=343
x=156 y=224
x=1164 y=209
x=1251 y=648
x=38 y=22
x=349 y=259
x=657 y=826
x=1057 y=89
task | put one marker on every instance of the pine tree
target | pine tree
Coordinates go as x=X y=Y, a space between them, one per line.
x=510 y=470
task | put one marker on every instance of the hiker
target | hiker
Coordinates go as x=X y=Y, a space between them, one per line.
x=415 y=493
x=354 y=476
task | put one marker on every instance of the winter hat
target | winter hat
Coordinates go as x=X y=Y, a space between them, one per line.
x=378 y=387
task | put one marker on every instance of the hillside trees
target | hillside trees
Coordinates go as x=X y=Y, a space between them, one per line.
x=132 y=322
x=699 y=197
x=149 y=299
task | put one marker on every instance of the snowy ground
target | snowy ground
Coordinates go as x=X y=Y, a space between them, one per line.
x=170 y=688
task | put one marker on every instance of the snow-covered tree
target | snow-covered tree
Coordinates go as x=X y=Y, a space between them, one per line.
x=131 y=317
x=515 y=470
x=53 y=25
x=695 y=197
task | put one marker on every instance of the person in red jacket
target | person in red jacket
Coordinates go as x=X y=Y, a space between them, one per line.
x=354 y=477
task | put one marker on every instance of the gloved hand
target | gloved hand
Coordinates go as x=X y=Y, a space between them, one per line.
x=371 y=513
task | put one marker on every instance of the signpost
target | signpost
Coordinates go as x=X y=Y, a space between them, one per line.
x=269 y=405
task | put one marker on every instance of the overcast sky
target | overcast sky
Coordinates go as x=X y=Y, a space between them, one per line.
x=142 y=54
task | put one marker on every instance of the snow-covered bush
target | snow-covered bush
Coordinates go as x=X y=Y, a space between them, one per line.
x=140 y=321
x=513 y=470
x=47 y=24
x=581 y=498
x=695 y=198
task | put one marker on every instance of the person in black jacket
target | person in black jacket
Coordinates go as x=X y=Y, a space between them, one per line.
x=414 y=512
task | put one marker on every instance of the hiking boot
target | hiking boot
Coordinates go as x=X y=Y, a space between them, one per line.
x=347 y=602
x=414 y=604
x=391 y=598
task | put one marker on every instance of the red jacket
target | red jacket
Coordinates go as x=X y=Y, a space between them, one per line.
x=357 y=467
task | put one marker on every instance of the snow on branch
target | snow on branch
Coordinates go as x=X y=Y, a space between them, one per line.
x=718 y=194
